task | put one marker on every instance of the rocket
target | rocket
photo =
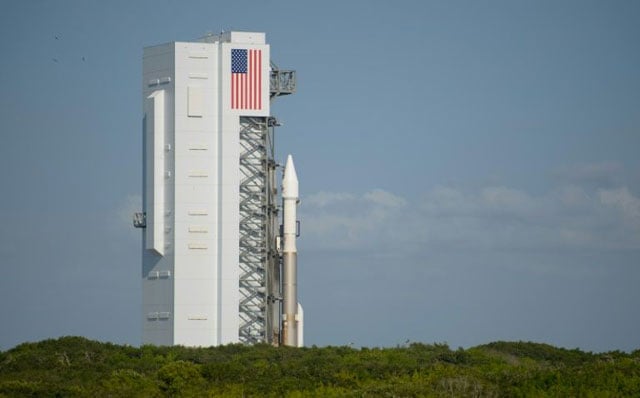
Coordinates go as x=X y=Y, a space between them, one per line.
x=291 y=321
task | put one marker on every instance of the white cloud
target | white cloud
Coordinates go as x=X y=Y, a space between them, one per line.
x=622 y=199
x=347 y=220
x=384 y=198
x=595 y=174
x=489 y=218
x=322 y=199
x=507 y=200
x=573 y=196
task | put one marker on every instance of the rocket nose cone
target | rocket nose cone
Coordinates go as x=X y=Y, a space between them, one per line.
x=290 y=169
x=290 y=180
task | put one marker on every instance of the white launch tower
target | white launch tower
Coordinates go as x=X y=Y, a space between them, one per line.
x=211 y=261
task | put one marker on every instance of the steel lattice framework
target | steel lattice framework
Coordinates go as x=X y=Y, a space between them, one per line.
x=258 y=261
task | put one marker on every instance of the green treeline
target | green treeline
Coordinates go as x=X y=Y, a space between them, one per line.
x=75 y=366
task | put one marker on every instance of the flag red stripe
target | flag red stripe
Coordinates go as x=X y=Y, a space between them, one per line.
x=255 y=80
x=252 y=59
x=243 y=92
x=250 y=80
x=246 y=88
x=234 y=89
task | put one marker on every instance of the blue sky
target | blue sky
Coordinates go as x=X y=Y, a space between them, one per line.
x=469 y=171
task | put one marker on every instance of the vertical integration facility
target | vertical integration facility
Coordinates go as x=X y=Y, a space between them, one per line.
x=213 y=255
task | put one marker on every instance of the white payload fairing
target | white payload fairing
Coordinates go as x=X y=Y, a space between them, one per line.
x=291 y=315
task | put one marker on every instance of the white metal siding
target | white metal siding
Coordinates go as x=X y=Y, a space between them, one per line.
x=199 y=296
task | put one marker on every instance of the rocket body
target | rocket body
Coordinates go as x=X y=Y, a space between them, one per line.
x=290 y=198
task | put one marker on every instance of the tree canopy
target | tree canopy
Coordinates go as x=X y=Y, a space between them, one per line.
x=75 y=366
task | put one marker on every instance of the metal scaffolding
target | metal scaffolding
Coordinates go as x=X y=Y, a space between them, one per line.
x=259 y=267
x=282 y=82
x=259 y=261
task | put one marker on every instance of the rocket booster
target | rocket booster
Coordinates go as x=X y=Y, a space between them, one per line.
x=290 y=201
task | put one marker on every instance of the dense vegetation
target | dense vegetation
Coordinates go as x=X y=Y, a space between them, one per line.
x=74 y=366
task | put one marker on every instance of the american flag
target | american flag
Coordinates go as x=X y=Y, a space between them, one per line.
x=246 y=79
